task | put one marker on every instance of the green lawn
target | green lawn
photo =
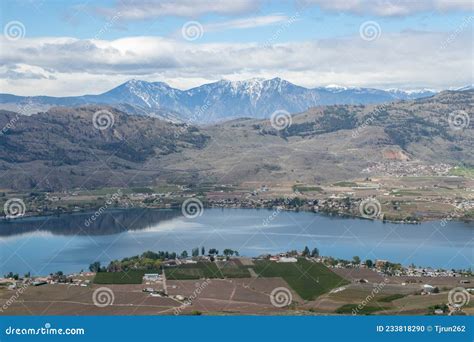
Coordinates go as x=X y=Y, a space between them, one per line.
x=307 y=188
x=307 y=278
x=391 y=298
x=193 y=271
x=366 y=310
x=462 y=171
x=129 y=277
x=345 y=184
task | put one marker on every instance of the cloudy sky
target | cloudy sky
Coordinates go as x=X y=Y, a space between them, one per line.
x=73 y=47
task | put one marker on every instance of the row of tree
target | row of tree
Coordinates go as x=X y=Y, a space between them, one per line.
x=314 y=253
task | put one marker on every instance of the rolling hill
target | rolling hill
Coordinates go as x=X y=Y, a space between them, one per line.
x=61 y=148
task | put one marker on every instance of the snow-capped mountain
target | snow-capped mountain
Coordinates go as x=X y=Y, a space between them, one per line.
x=222 y=100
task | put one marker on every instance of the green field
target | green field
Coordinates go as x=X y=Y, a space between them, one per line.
x=231 y=269
x=366 y=310
x=391 y=298
x=462 y=171
x=194 y=271
x=307 y=188
x=129 y=277
x=345 y=184
x=307 y=278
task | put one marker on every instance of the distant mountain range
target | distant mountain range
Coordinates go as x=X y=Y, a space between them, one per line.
x=213 y=102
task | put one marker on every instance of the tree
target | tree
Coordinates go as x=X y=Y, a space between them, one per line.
x=356 y=260
x=369 y=263
x=306 y=251
x=184 y=254
x=228 y=252
x=213 y=251
x=94 y=267
x=315 y=253
x=203 y=250
x=195 y=252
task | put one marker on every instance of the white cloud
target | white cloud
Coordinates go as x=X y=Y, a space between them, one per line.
x=391 y=7
x=245 y=23
x=72 y=66
x=149 y=9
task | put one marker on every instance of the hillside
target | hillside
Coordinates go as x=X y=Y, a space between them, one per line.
x=62 y=149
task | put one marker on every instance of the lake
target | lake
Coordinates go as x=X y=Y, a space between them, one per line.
x=42 y=245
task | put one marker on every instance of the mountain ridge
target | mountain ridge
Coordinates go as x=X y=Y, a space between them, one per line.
x=213 y=102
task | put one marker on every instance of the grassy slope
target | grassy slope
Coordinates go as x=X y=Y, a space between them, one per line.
x=308 y=279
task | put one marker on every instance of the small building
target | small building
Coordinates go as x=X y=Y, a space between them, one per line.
x=428 y=288
x=151 y=277
x=287 y=259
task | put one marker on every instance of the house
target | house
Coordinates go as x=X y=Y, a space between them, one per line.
x=151 y=277
x=427 y=289
x=287 y=259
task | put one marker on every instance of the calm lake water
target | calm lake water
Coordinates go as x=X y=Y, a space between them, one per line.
x=49 y=244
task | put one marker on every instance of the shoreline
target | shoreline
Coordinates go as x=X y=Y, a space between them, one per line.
x=423 y=219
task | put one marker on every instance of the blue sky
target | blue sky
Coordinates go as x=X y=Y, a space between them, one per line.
x=242 y=30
